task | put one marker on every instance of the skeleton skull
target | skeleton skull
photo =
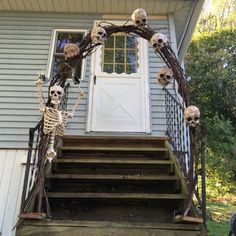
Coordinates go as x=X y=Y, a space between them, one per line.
x=158 y=41
x=56 y=93
x=165 y=76
x=98 y=35
x=139 y=17
x=71 y=50
x=192 y=115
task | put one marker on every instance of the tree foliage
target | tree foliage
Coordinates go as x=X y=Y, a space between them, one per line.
x=211 y=64
x=217 y=15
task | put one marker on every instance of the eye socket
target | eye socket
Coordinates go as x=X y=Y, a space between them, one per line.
x=52 y=92
x=59 y=93
x=162 y=75
x=100 y=33
x=196 y=118
x=137 y=22
x=168 y=77
x=160 y=41
x=155 y=45
x=189 y=119
x=144 y=20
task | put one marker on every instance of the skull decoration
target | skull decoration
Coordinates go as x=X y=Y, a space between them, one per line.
x=56 y=93
x=165 y=76
x=192 y=115
x=98 y=35
x=139 y=17
x=158 y=41
x=71 y=50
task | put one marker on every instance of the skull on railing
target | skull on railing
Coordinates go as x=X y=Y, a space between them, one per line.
x=192 y=116
x=165 y=76
x=98 y=35
x=158 y=41
x=139 y=17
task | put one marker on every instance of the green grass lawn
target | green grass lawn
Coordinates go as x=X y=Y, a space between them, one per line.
x=220 y=211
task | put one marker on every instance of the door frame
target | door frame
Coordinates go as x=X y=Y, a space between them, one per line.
x=145 y=84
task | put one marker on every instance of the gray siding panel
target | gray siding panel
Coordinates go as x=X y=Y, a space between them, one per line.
x=25 y=41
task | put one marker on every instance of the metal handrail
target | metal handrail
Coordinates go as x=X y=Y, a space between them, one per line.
x=182 y=140
x=177 y=130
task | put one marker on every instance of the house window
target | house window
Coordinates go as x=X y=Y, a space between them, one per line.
x=61 y=38
x=120 y=54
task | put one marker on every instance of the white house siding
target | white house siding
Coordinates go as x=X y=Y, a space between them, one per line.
x=11 y=180
x=25 y=40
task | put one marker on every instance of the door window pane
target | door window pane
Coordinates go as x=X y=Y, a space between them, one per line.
x=120 y=54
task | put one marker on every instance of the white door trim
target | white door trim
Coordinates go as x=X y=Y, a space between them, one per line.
x=145 y=84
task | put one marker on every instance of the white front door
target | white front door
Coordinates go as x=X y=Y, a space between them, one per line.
x=119 y=86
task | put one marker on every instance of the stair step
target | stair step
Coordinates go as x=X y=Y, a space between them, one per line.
x=115 y=149
x=121 y=152
x=113 y=161
x=107 y=227
x=115 y=141
x=130 y=196
x=112 y=165
x=114 y=177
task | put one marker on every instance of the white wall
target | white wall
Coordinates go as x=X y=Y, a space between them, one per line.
x=11 y=181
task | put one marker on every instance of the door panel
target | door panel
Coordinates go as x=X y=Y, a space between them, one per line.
x=119 y=92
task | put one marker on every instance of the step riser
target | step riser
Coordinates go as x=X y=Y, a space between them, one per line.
x=114 y=142
x=76 y=154
x=130 y=211
x=64 y=230
x=108 y=169
x=113 y=187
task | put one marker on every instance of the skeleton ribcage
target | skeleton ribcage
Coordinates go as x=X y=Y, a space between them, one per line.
x=54 y=119
x=51 y=119
x=61 y=128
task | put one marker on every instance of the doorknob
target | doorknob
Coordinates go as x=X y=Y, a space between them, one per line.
x=94 y=79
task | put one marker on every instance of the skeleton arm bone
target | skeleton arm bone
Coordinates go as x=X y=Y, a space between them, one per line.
x=81 y=94
x=39 y=84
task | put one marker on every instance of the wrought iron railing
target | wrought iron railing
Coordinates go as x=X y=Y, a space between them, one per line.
x=177 y=130
x=34 y=193
x=183 y=142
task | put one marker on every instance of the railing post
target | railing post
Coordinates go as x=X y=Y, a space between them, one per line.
x=203 y=172
x=27 y=169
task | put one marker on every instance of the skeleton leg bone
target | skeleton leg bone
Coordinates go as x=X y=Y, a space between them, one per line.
x=51 y=154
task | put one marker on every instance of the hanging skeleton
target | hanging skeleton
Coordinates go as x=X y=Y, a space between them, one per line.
x=54 y=121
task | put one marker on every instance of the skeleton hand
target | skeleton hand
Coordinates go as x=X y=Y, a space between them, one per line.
x=39 y=83
x=71 y=50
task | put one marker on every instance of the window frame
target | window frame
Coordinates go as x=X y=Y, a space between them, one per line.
x=124 y=49
x=52 y=52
